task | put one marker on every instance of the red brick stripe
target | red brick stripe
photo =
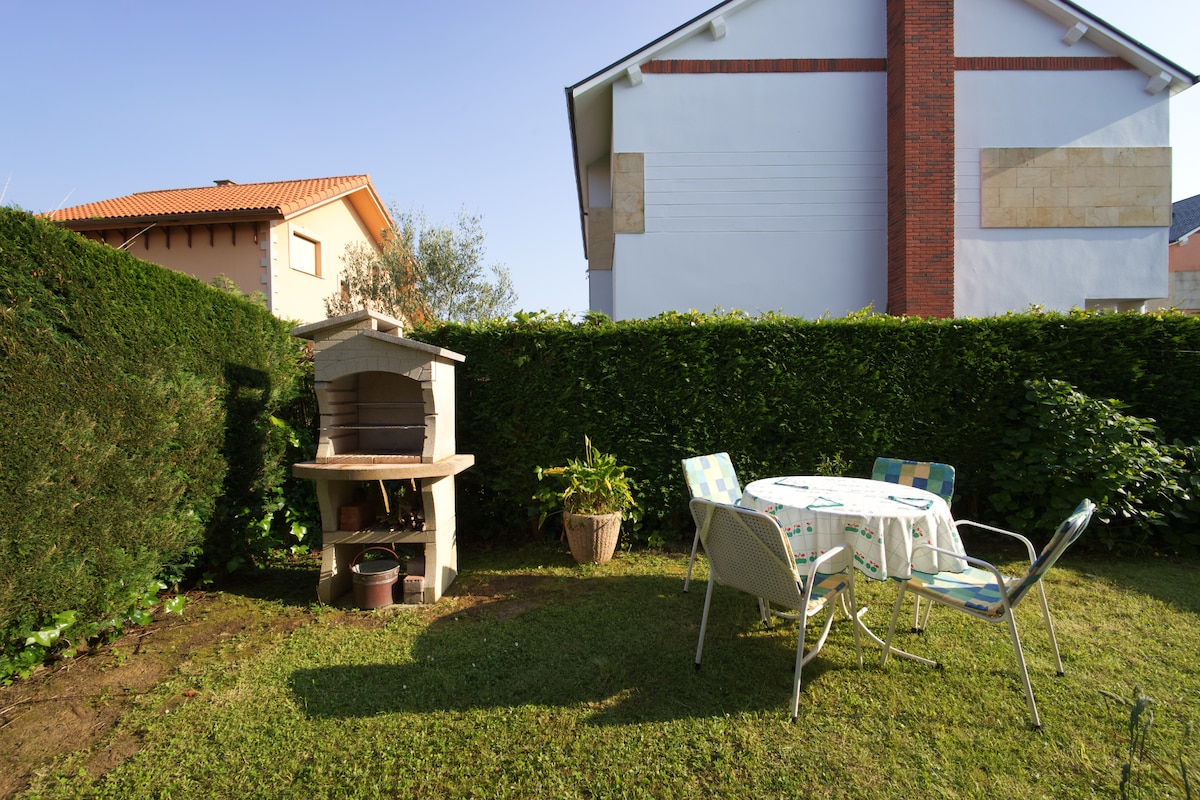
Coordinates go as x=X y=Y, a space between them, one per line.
x=696 y=66
x=1047 y=63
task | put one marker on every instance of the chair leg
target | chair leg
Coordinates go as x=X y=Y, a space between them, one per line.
x=916 y=628
x=1022 y=671
x=887 y=644
x=1058 y=665
x=925 y=616
x=854 y=619
x=796 y=675
x=764 y=611
x=704 y=619
x=692 y=561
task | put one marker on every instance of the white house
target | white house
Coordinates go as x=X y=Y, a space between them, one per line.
x=922 y=157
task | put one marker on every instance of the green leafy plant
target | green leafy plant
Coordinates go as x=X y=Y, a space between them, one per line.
x=1063 y=445
x=595 y=484
x=66 y=632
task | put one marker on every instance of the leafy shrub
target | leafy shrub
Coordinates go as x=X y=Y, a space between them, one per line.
x=1062 y=446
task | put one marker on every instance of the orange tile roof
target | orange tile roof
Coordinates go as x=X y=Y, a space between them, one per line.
x=270 y=200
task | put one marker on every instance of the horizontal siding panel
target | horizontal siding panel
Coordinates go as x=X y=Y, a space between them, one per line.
x=797 y=171
x=767 y=210
x=768 y=158
x=827 y=184
x=772 y=191
x=758 y=224
x=791 y=198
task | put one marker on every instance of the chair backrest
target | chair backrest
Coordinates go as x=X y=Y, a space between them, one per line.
x=711 y=477
x=930 y=475
x=1066 y=534
x=747 y=550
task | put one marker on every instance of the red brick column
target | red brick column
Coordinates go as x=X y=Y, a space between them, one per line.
x=920 y=139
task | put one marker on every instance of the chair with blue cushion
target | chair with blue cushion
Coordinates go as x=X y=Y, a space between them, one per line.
x=929 y=475
x=932 y=476
x=983 y=593
x=710 y=477
x=748 y=551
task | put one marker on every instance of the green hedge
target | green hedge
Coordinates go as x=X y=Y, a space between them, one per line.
x=136 y=404
x=785 y=395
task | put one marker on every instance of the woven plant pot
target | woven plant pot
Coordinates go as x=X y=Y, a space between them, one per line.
x=593 y=538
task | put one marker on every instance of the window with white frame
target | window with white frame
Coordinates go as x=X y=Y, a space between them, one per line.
x=305 y=252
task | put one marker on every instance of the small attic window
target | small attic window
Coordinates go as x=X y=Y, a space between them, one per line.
x=305 y=252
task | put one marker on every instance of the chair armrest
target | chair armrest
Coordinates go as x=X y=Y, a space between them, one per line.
x=828 y=554
x=1028 y=544
x=812 y=568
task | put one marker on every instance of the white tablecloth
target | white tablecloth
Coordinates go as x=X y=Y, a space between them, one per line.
x=880 y=520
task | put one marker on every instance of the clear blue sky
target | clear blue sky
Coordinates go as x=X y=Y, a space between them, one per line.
x=446 y=104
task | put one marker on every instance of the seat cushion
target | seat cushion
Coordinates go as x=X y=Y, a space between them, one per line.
x=974 y=589
x=826 y=587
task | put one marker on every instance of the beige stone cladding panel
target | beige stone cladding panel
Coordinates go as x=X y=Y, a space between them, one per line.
x=1075 y=187
x=600 y=238
x=629 y=193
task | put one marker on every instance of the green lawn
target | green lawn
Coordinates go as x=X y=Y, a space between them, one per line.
x=562 y=681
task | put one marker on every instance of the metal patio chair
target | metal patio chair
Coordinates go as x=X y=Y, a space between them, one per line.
x=710 y=477
x=983 y=593
x=748 y=551
x=930 y=475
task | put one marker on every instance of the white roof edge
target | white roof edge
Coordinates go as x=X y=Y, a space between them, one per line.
x=1188 y=234
x=615 y=71
x=1117 y=42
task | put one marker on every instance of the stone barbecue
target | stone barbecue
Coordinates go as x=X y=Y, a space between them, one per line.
x=386 y=460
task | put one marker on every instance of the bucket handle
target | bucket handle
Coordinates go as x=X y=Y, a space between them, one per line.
x=365 y=550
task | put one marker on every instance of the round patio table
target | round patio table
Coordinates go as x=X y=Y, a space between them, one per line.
x=881 y=521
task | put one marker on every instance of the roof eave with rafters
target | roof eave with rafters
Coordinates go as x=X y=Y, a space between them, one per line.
x=584 y=97
x=1161 y=72
x=586 y=92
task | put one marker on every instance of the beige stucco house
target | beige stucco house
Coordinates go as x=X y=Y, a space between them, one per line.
x=285 y=239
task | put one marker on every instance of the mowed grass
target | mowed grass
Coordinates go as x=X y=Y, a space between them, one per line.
x=537 y=678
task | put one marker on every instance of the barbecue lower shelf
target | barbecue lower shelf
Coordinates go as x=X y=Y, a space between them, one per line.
x=336 y=486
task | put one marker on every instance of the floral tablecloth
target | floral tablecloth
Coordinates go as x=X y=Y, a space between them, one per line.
x=881 y=521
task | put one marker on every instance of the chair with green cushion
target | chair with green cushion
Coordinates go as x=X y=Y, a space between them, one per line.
x=710 y=477
x=984 y=593
x=932 y=476
x=748 y=551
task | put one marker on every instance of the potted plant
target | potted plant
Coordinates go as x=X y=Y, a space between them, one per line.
x=594 y=495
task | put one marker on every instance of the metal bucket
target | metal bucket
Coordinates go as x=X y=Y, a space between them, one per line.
x=374 y=581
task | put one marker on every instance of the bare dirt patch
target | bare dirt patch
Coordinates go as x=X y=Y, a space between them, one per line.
x=76 y=706
x=71 y=706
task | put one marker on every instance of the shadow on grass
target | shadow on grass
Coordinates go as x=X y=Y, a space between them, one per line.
x=292 y=583
x=621 y=649
x=1175 y=581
